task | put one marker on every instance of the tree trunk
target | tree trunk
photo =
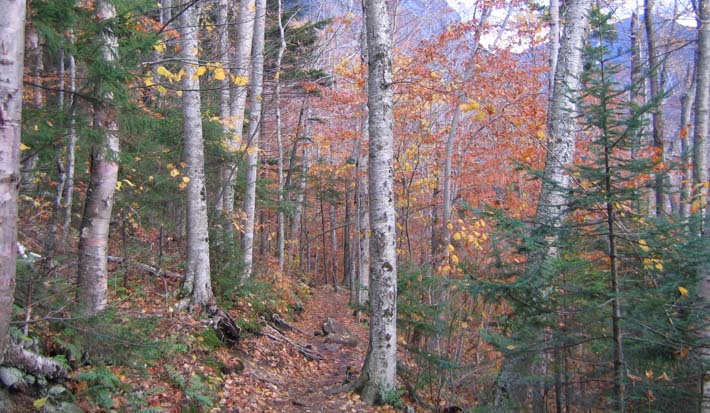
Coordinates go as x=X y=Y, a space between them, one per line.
x=379 y=371
x=224 y=102
x=71 y=152
x=700 y=175
x=94 y=232
x=279 y=139
x=363 y=224
x=241 y=70
x=12 y=35
x=197 y=282
x=253 y=144
x=656 y=95
x=552 y=203
x=686 y=185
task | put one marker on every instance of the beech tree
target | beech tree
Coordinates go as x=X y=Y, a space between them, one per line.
x=94 y=231
x=197 y=277
x=378 y=378
x=12 y=32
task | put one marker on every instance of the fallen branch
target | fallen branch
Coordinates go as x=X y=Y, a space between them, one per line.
x=35 y=364
x=158 y=272
x=285 y=325
x=276 y=335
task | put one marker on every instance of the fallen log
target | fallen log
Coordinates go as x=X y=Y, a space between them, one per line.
x=155 y=271
x=35 y=364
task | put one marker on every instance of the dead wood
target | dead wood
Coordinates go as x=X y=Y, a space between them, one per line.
x=283 y=324
x=35 y=364
x=155 y=271
x=227 y=330
x=306 y=350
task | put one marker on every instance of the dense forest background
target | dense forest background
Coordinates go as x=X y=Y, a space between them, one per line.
x=492 y=206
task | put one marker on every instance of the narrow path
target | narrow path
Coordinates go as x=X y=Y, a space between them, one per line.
x=293 y=384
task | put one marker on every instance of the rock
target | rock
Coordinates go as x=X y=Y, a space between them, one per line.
x=63 y=407
x=6 y=403
x=56 y=391
x=11 y=377
x=30 y=379
x=331 y=326
x=344 y=339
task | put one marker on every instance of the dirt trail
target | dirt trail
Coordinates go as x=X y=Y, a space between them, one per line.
x=293 y=384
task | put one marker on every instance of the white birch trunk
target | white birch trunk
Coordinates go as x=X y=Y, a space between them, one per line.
x=700 y=175
x=197 y=276
x=279 y=138
x=240 y=71
x=94 y=232
x=552 y=203
x=253 y=138
x=71 y=152
x=12 y=40
x=224 y=95
x=363 y=224
x=379 y=371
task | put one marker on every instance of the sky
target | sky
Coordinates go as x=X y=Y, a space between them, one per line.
x=623 y=8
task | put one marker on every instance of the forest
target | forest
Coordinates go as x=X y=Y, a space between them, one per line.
x=354 y=206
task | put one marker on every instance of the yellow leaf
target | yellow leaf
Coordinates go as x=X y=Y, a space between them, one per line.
x=649 y=374
x=119 y=184
x=684 y=352
x=131 y=184
x=159 y=47
x=186 y=179
x=161 y=90
x=162 y=71
x=220 y=74
x=457 y=236
x=179 y=93
x=252 y=150
x=24 y=147
x=240 y=80
x=470 y=106
x=659 y=265
x=148 y=82
x=450 y=248
x=540 y=134
x=644 y=246
x=180 y=74
x=683 y=291
x=174 y=173
x=454 y=259
x=199 y=72
x=39 y=403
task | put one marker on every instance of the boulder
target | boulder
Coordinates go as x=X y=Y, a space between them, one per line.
x=11 y=377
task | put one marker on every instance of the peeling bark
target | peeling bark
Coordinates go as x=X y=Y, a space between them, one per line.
x=94 y=233
x=12 y=40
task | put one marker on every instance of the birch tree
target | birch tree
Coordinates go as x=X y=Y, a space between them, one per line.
x=253 y=135
x=240 y=78
x=379 y=371
x=362 y=224
x=12 y=39
x=556 y=181
x=700 y=175
x=94 y=232
x=197 y=277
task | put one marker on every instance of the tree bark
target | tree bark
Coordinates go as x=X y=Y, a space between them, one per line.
x=379 y=371
x=94 y=232
x=71 y=152
x=363 y=224
x=700 y=176
x=253 y=143
x=224 y=101
x=552 y=202
x=197 y=282
x=279 y=139
x=240 y=71
x=12 y=39
x=657 y=124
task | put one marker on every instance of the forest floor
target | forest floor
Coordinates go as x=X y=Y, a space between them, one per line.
x=259 y=374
